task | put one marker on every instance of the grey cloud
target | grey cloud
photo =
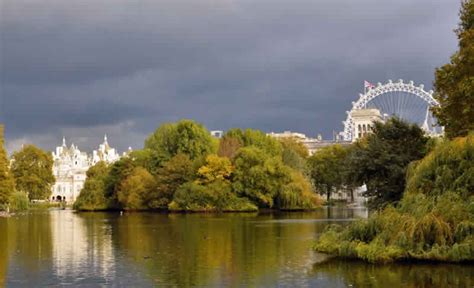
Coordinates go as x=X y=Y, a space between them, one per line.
x=127 y=66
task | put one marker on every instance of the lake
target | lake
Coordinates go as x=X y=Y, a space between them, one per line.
x=64 y=248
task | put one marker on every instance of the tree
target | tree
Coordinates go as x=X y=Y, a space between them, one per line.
x=228 y=147
x=259 y=176
x=216 y=169
x=381 y=159
x=298 y=194
x=93 y=194
x=215 y=196
x=326 y=168
x=177 y=171
x=118 y=171
x=185 y=137
x=135 y=188
x=454 y=82
x=294 y=153
x=33 y=172
x=251 y=137
x=7 y=182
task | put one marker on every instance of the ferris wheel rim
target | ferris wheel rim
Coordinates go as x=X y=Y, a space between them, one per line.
x=382 y=89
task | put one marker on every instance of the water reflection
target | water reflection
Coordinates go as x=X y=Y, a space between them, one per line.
x=60 y=247
x=82 y=247
x=360 y=274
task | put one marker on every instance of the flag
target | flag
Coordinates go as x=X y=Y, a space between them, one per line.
x=369 y=85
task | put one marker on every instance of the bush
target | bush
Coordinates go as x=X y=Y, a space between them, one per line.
x=433 y=221
x=19 y=201
x=217 y=196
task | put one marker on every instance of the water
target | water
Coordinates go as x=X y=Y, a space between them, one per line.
x=63 y=248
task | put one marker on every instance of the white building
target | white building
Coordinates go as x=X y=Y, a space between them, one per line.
x=105 y=153
x=288 y=134
x=363 y=120
x=217 y=133
x=70 y=167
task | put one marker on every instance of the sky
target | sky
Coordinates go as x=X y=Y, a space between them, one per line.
x=82 y=69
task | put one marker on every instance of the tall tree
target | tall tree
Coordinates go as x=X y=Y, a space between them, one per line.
x=228 y=147
x=454 y=83
x=186 y=137
x=259 y=176
x=135 y=188
x=382 y=158
x=326 y=169
x=177 y=171
x=7 y=182
x=294 y=153
x=256 y=138
x=33 y=172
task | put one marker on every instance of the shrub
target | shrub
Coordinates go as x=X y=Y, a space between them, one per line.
x=19 y=201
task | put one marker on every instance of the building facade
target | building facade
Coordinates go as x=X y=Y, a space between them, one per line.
x=70 y=167
x=363 y=120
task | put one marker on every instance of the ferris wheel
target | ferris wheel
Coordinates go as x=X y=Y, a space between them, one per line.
x=404 y=100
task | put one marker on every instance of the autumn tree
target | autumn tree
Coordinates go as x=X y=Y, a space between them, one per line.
x=135 y=188
x=454 y=82
x=7 y=182
x=216 y=169
x=33 y=172
x=228 y=147
x=177 y=171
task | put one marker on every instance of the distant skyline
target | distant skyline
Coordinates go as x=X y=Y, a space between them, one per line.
x=82 y=69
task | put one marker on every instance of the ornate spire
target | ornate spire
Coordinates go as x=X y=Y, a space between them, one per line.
x=64 y=141
x=105 y=138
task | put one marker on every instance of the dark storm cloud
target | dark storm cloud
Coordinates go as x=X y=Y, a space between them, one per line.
x=85 y=68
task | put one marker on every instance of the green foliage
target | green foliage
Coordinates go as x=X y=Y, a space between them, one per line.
x=118 y=171
x=256 y=138
x=184 y=137
x=259 y=176
x=135 y=188
x=19 y=201
x=449 y=167
x=33 y=172
x=381 y=160
x=326 y=168
x=433 y=221
x=297 y=194
x=93 y=194
x=294 y=153
x=216 y=196
x=7 y=182
x=454 y=82
x=177 y=171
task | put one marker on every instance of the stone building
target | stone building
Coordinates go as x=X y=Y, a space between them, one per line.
x=363 y=120
x=70 y=167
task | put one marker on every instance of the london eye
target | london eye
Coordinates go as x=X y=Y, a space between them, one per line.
x=404 y=100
